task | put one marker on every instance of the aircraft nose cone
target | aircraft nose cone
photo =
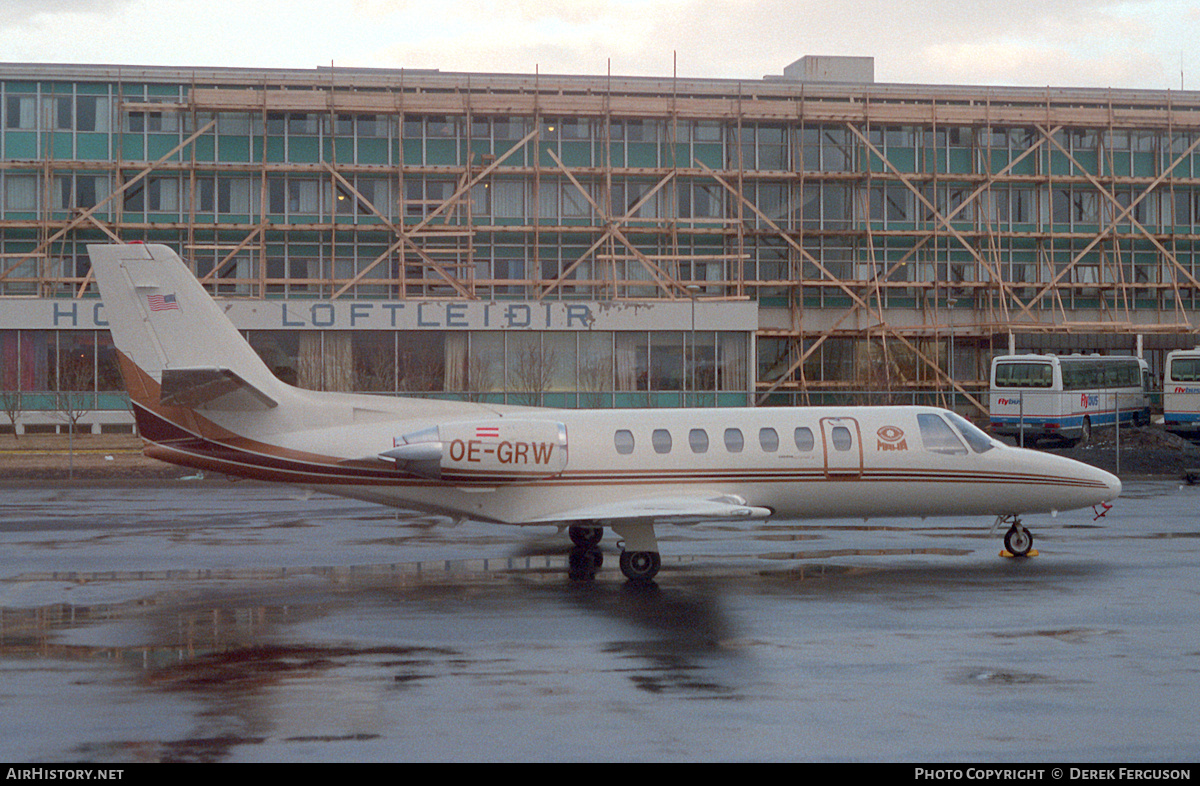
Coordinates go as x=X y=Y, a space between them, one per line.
x=1088 y=485
x=1108 y=485
x=1114 y=485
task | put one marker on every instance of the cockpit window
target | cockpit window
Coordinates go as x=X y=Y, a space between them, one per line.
x=938 y=437
x=976 y=438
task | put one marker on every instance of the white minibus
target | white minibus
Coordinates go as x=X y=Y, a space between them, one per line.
x=1066 y=396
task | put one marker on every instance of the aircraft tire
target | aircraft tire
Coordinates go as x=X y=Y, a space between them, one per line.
x=640 y=565
x=583 y=563
x=1018 y=542
x=585 y=536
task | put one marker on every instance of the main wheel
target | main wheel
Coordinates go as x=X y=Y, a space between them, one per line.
x=1018 y=541
x=640 y=565
x=583 y=562
x=585 y=536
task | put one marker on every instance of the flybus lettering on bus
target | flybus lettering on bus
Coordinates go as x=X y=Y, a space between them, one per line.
x=1187 y=390
x=1086 y=401
x=1007 y=402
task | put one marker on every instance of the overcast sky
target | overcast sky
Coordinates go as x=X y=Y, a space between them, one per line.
x=1068 y=43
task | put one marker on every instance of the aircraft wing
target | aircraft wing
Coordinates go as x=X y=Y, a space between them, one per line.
x=671 y=510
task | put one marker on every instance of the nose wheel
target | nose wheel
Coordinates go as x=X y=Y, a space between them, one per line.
x=1018 y=541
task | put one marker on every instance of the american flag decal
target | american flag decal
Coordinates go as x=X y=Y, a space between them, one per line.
x=487 y=432
x=163 y=302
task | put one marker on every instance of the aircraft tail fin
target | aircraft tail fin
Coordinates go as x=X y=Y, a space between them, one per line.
x=165 y=325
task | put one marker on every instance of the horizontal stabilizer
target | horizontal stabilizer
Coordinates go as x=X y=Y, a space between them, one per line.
x=671 y=510
x=211 y=387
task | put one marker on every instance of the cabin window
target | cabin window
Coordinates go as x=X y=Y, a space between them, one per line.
x=768 y=439
x=698 y=440
x=660 y=439
x=841 y=438
x=623 y=441
x=938 y=437
x=804 y=438
x=733 y=440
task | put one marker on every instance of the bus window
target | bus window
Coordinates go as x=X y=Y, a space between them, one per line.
x=938 y=437
x=1185 y=370
x=804 y=439
x=1081 y=376
x=1024 y=375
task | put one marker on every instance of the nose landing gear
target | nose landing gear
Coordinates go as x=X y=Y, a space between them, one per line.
x=1018 y=541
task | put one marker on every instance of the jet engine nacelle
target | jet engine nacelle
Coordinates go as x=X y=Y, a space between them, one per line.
x=486 y=451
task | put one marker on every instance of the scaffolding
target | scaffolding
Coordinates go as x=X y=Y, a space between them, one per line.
x=880 y=228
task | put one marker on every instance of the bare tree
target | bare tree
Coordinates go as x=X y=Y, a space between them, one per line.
x=374 y=369
x=11 y=403
x=881 y=370
x=422 y=368
x=595 y=378
x=532 y=371
x=74 y=397
x=480 y=378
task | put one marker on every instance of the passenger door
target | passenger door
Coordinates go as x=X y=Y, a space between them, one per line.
x=842 y=443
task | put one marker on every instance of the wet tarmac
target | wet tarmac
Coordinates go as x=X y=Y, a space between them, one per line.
x=235 y=622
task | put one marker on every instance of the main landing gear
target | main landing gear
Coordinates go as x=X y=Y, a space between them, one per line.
x=585 y=537
x=640 y=560
x=1018 y=541
x=585 y=558
x=640 y=565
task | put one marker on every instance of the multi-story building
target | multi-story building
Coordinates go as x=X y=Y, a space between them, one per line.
x=598 y=240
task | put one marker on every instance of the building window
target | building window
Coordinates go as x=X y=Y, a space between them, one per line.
x=20 y=112
x=20 y=192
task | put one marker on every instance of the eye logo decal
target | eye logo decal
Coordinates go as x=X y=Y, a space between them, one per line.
x=891 y=438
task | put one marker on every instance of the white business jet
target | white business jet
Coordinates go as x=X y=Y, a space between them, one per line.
x=203 y=398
